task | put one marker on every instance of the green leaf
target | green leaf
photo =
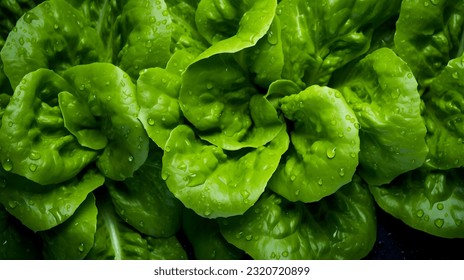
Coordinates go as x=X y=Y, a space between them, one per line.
x=340 y=226
x=265 y=60
x=428 y=35
x=213 y=182
x=145 y=202
x=72 y=239
x=102 y=114
x=165 y=249
x=158 y=93
x=322 y=36
x=231 y=26
x=53 y=35
x=325 y=145
x=426 y=199
x=34 y=142
x=116 y=240
x=382 y=91
x=206 y=239
x=217 y=99
x=145 y=28
x=443 y=115
x=44 y=207
x=184 y=32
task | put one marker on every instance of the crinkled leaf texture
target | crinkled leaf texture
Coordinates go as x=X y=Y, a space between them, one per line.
x=428 y=35
x=214 y=182
x=46 y=37
x=158 y=95
x=340 y=226
x=322 y=36
x=444 y=105
x=323 y=155
x=231 y=26
x=382 y=91
x=33 y=140
x=57 y=35
x=217 y=98
x=426 y=199
x=102 y=113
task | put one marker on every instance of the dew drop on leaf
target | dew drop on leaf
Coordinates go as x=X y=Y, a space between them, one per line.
x=13 y=203
x=7 y=164
x=151 y=122
x=439 y=223
x=33 y=167
x=331 y=153
x=81 y=247
x=34 y=156
x=420 y=213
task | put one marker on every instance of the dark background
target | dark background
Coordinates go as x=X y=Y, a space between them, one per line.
x=397 y=241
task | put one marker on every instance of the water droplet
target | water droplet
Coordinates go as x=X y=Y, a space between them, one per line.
x=33 y=167
x=440 y=206
x=341 y=172
x=207 y=213
x=209 y=85
x=13 y=204
x=151 y=122
x=319 y=182
x=272 y=37
x=249 y=237
x=81 y=247
x=7 y=164
x=331 y=153
x=141 y=224
x=245 y=193
x=239 y=235
x=455 y=75
x=353 y=155
x=56 y=26
x=292 y=178
x=285 y=254
x=34 y=155
x=439 y=223
x=130 y=158
x=435 y=2
x=420 y=213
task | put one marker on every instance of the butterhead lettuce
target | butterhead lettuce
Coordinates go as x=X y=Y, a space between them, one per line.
x=227 y=129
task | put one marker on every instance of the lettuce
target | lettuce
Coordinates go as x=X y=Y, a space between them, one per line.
x=227 y=129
